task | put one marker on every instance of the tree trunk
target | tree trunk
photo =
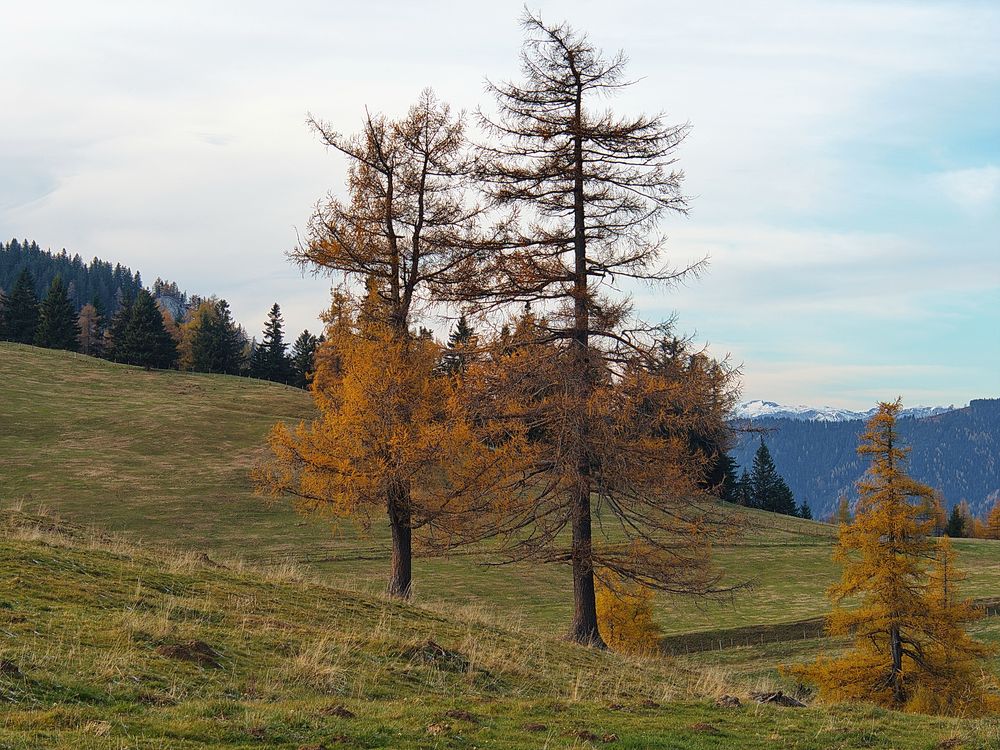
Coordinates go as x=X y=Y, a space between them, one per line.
x=896 y=676
x=584 y=628
x=402 y=551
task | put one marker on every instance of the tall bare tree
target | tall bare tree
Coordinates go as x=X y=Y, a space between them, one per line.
x=584 y=190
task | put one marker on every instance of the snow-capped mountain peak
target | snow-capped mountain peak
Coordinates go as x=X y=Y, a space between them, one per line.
x=760 y=409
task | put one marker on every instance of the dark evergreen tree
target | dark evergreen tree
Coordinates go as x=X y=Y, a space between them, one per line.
x=763 y=478
x=805 y=511
x=461 y=339
x=303 y=353
x=768 y=490
x=743 y=493
x=270 y=361
x=956 y=524
x=114 y=334
x=57 y=320
x=145 y=341
x=84 y=281
x=230 y=341
x=783 y=501
x=217 y=344
x=20 y=320
x=729 y=489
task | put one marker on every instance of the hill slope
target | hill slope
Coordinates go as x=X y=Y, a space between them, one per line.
x=103 y=646
x=163 y=456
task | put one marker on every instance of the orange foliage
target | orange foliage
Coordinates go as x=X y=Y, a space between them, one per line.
x=953 y=680
x=643 y=471
x=390 y=438
x=993 y=522
x=899 y=657
x=625 y=615
x=189 y=331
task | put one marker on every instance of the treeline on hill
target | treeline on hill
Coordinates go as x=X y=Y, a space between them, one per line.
x=163 y=331
x=97 y=282
x=958 y=453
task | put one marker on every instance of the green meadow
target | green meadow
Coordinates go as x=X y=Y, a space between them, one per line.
x=150 y=599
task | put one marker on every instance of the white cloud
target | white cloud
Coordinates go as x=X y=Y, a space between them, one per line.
x=974 y=190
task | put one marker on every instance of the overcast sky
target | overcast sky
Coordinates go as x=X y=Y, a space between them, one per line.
x=844 y=159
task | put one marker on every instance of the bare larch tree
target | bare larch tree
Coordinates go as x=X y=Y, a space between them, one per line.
x=584 y=190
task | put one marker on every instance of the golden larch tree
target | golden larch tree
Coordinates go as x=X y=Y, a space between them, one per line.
x=897 y=624
x=953 y=680
x=406 y=231
x=993 y=522
x=90 y=338
x=644 y=475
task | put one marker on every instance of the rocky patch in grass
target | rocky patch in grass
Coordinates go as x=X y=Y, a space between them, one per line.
x=433 y=654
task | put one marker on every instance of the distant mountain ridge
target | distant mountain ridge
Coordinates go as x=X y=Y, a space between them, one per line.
x=956 y=451
x=769 y=409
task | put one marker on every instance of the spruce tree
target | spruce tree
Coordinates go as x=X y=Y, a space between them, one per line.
x=21 y=312
x=805 y=511
x=216 y=343
x=145 y=339
x=303 y=353
x=764 y=479
x=230 y=341
x=783 y=501
x=57 y=321
x=729 y=490
x=956 y=524
x=456 y=356
x=271 y=362
x=743 y=493
x=114 y=334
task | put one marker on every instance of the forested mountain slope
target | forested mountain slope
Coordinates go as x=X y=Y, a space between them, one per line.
x=957 y=453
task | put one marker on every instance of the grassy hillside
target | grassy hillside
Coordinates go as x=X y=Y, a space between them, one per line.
x=163 y=456
x=108 y=646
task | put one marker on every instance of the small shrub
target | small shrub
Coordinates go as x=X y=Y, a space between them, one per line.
x=625 y=616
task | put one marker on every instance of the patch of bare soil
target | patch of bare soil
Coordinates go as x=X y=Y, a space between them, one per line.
x=9 y=668
x=701 y=726
x=197 y=652
x=341 y=712
x=462 y=715
x=588 y=736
